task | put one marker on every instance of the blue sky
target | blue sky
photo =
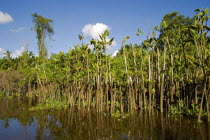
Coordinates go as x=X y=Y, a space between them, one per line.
x=121 y=17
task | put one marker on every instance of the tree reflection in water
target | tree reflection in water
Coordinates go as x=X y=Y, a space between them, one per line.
x=17 y=122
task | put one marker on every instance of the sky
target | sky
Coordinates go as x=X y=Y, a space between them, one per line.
x=90 y=17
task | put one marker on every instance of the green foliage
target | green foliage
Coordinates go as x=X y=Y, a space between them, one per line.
x=193 y=111
x=50 y=105
x=175 y=110
x=43 y=27
x=1 y=95
x=116 y=113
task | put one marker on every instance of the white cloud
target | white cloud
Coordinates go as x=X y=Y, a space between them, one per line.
x=115 y=53
x=94 y=31
x=14 y=54
x=18 y=29
x=5 y=18
x=2 y=53
x=18 y=52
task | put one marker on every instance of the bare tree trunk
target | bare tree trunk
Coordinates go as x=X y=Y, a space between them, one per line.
x=162 y=81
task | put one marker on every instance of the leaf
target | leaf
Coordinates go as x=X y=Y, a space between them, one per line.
x=80 y=37
x=193 y=32
x=127 y=37
x=137 y=34
x=206 y=27
x=205 y=18
x=197 y=64
x=101 y=37
x=111 y=40
x=197 y=10
x=207 y=11
x=146 y=43
x=93 y=42
x=201 y=14
x=106 y=33
x=193 y=27
x=139 y=30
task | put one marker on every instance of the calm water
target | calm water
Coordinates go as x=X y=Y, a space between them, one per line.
x=18 y=123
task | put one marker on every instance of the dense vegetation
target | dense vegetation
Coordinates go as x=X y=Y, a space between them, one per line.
x=170 y=72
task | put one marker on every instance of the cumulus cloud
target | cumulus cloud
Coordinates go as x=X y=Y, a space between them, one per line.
x=5 y=18
x=18 y=29
x=18 y=52
x=94 y=31
x=2 y=53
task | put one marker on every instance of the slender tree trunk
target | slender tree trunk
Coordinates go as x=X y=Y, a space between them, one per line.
x=162 y=81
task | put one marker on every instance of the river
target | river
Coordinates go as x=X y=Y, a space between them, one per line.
x=17 y=122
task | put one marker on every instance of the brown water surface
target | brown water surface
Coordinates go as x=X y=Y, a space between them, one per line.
x=18 y=123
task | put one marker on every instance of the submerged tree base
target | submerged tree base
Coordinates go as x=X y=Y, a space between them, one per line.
x=17 y=122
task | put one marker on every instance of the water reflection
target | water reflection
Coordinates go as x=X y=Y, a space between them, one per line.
x=17 y=122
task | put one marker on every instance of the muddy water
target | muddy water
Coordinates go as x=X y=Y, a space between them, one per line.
x=18 y=123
